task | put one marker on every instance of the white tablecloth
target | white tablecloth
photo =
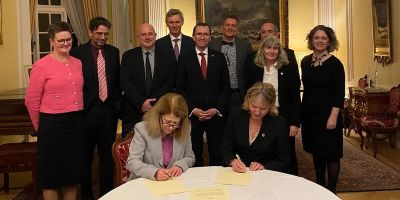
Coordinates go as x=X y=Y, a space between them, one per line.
x=265 y=185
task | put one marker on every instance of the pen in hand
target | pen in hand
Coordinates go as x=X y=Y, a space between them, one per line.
x=237 y=157
x=161 y=165
x=163 y=173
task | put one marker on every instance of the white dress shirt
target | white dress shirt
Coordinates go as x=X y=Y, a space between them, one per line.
x=271 y=76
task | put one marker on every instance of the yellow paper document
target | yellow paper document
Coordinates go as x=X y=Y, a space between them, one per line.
x=162 y=188
x=227 y=176
x=210 y=193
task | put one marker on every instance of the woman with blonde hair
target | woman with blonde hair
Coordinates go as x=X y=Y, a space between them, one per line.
x=161 y=147
x=271 y=65
x=255 y=135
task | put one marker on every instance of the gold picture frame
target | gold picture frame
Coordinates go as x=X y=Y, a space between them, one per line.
x=382 y=31
x=1 y=25
x=249 y=12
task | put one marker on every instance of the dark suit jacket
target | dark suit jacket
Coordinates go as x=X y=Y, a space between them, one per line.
x=133 y=81
x=270 y=148
x=288 y=90
x=91 y=81
x=243 y=50
x=291 y=57
x=214 y=92
x=165 y=43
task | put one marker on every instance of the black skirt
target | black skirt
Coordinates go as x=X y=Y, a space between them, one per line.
x=59 y=150
x=319 y=141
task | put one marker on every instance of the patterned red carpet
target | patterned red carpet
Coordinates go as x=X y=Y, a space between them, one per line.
x=359 y=171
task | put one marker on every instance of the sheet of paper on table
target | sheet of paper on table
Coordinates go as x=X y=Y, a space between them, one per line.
x=227 y=176
x=162 y=188
x=217 y=192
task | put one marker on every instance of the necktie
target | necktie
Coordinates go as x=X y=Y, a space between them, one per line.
x=176 y=48
x=227 y=43
x=148 y=74
x=203 y=65
x=101 y=73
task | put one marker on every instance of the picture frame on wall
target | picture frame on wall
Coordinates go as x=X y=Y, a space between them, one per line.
x=251 y=13
x=382 y=30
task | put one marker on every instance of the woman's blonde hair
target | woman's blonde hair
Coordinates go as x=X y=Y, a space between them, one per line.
x=267 y=91
x=170 y=103
x=271 y=41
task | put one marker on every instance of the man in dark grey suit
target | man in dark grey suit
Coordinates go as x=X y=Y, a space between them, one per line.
x=175 y=43
x=203 y=80
x=146 y=75
x=236 y=51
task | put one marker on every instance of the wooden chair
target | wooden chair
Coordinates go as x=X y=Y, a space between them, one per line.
x=21 y=156
x=120 y=152
x=349 y=105
x=18 y=157
x=347 y=113
x=386 y=123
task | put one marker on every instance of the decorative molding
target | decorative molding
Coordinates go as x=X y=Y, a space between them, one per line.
x=24 y=42
x=349 y=37
x=156 y=16
x=324 y=13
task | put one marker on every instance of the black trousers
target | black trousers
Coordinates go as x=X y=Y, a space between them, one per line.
x=294 y=169
x=100 y=131
x=214 y=129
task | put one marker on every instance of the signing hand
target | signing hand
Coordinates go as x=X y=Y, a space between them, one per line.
x=238 y=166
x=255 y=166
x=162 y=174
x=175 y=171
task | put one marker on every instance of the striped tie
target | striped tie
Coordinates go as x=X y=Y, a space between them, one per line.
x=101 y=72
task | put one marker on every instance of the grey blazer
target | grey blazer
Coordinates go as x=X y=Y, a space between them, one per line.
x=145 y=152
x=243 y=50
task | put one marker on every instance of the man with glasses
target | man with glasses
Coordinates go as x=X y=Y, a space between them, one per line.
x=203 y=79
x=101 y=93
x=236 y=51
x=146 y=75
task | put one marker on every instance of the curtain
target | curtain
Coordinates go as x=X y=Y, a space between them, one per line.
x=91 y=8
x=76 y=15
x=137 y=13
x=32 y=9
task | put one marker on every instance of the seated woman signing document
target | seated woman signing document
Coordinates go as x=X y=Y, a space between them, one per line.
x=161 y=147
x=255 y=135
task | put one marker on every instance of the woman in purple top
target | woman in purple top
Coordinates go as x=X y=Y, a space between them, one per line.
x=54 y=100
x=162 y=147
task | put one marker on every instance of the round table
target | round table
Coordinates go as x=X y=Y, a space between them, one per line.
x=264 y=184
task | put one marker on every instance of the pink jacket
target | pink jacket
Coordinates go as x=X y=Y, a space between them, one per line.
x=54 y=87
